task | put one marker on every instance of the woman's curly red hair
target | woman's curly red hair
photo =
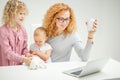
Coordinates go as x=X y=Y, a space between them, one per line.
x=50 y=17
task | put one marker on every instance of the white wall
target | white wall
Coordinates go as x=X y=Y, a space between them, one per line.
x=106 y=39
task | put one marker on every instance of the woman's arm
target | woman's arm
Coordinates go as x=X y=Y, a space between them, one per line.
x=83 y=52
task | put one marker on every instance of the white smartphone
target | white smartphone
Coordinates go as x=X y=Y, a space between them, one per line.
x=90 y=24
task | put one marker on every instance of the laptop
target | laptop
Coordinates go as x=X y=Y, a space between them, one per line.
x=113 y=79
x=90 y=68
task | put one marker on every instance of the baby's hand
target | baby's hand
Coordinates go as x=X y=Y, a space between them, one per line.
x=34 y=52
x=28 y=55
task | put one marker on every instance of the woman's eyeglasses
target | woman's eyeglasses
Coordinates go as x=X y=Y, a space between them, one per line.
x=61 y=20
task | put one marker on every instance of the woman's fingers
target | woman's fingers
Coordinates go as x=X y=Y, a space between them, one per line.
x=95 y=23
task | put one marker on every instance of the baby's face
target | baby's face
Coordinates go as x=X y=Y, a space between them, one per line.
x=40 y=39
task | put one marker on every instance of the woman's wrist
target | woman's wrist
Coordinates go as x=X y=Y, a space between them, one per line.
x=90 y=37
x=90 y=40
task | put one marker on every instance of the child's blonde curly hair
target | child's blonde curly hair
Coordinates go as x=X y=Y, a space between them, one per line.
x=11 y=10
x=50 y=17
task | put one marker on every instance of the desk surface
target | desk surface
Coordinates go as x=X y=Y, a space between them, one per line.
x=54 y=72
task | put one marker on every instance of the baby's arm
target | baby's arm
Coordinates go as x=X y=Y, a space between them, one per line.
x=44 y=56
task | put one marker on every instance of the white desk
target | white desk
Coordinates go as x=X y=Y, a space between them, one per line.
x=54 y=72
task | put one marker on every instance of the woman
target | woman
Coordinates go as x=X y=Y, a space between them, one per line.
x=60 y=24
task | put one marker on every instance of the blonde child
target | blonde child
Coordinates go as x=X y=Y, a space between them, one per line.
x=13 y=36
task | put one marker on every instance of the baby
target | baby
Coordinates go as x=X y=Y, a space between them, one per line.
x=40 y=49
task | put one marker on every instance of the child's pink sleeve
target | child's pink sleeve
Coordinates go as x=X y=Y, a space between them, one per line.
x=25 y=45
x=7 y=52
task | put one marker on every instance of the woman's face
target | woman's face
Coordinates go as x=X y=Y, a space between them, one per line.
x=63 y=19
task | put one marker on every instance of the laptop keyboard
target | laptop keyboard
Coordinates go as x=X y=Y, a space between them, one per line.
x=77 y=72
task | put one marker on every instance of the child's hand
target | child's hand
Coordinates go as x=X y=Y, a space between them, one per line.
x=27 y=60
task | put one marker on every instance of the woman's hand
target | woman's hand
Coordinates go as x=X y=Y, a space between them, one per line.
x=92 y=32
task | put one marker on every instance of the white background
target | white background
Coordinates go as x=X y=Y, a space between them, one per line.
x=107 y=12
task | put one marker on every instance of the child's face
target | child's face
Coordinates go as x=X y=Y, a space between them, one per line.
x=20 y=17
x=40 y=39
